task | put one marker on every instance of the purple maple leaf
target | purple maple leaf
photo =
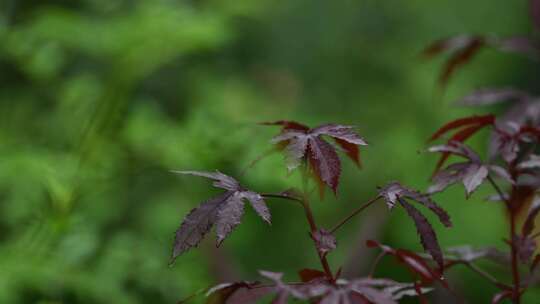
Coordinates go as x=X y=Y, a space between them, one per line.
x=489 y=96
x=224 y=211
x=300 y=143
x=472 y=173
x=394 y=193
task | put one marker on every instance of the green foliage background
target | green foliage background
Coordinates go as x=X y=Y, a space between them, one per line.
x=100 y=98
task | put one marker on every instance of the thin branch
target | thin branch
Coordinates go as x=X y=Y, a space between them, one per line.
x=282 y=196
x=473 y=267
x=515 y=268
x=499 y=191
x=516 y=293
x=376 y=262
x=257 y=160
x=312 y=224
x=354 y=213
x=486 y=275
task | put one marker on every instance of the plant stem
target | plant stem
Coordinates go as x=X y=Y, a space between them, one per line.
x=516 y=292
x=486 y=275
x=257 y=160
x=499 y=191
x=313 y=224
x=282 y=196
x=354 y=213
x=376 y=263
x=515 y=269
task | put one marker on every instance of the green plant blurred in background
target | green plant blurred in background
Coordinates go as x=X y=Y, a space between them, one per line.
x=100 y=98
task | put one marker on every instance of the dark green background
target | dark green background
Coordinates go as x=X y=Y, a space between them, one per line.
x=100 y=98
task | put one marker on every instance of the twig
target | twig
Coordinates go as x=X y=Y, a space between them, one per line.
x=376 y=262
x=312 y=224
x=282 y=196
x=354 y=213
x=486 y=275
x=257 y=160
x=499 y=191
x=516 y=293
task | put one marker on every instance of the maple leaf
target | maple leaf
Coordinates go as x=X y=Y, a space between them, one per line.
x=463 y=48
x=358 y=291
x=489 y=96
x=415 y=263
x=472 y=173
x=394 y=193
x=300 y=143
x=469 y=254
x=466 y=127
x=224 y=211
x=469 y=121
x=382 y=290
x=508 y=138
x=319 y=290
x=283 y=291
x=523 y=112
x=243 y=292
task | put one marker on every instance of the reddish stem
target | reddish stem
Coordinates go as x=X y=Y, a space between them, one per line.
x=313 y=226
x=311 y=221
x=354 y=213
x=516 y=292
x=378 y=259
x=282 y=196
x=515 y=270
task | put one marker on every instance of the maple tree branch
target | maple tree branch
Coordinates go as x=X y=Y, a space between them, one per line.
x=257 y=160
x=515 y=270
x=282 y=196
x=516 y=293
x=499 y=191
x=313 y=227
x=354 y=213
x=376 y=262
x=485 y=275
x=312 y=223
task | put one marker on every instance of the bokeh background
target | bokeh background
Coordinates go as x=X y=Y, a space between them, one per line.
x=100 y=98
